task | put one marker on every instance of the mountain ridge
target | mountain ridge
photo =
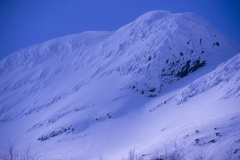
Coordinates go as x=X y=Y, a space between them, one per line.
x=90 y=91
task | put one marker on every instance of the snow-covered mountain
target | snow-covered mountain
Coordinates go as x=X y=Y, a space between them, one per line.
x=91 y=94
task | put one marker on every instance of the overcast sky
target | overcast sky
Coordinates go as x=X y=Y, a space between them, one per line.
x=27 y=22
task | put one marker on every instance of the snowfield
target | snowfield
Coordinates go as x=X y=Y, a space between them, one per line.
x=163 y=79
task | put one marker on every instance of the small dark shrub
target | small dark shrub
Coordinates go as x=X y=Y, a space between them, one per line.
x=11 y=153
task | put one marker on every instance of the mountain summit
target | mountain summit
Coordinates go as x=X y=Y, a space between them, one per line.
x=156 y=49
x=93 y=92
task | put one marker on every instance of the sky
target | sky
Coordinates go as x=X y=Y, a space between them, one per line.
x=27 y=22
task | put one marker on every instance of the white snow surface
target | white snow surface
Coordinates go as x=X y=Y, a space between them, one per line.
x=162 y=78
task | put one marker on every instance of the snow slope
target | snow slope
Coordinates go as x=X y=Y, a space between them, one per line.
x=89 y=94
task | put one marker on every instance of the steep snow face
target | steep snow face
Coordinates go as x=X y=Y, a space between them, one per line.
x=214 y=98
x=224 y=76
x=162 y=47
x=66 y=89
x=155 y=50
x=58 y=49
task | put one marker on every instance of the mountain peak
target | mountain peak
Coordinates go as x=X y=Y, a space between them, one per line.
x=74 y=91
x=154 y=15
x=155 y=50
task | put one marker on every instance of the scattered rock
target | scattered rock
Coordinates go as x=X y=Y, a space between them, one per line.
x=217 y=134
x=197 y=140
x=212 y=141
x=236 y=150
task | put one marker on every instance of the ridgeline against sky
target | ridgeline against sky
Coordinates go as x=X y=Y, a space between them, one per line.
x=24 y=23
x=155 y=81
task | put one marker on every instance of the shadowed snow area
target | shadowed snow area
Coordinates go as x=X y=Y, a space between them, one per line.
x=162 y=78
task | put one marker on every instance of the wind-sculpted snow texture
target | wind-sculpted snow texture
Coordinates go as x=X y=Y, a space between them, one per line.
x=226 y=75
x=92 y=93
x=154 y=50
x=225 y=78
